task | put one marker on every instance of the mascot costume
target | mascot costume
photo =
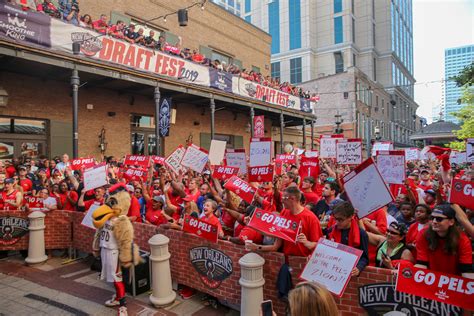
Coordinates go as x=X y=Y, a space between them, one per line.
x=114 y=240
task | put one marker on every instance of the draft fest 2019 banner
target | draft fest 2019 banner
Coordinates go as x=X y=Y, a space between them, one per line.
x=39 y=29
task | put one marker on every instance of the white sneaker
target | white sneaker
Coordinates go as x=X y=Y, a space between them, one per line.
x=112 y=302
x=122 y=311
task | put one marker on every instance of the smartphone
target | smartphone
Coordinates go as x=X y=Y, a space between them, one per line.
x=267 y=308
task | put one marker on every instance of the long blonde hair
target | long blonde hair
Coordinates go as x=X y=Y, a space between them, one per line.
x=308 y=299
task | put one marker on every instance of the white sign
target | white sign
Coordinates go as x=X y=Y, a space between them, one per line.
x=458 y=157
x=217 y=151
x=236 y=158
x=366 y=188
x=349 y=151
x=470 y=150
x=331 y=265
x=327 y=146
x=195 y=158
x=391 y=165
x=95 y=177
x=260 y=153
x=412 y=154
x=379 y=146
x=87 y=220
x=173 y=161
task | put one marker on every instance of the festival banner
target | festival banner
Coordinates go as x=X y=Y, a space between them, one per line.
x=200 y=228
x=286 y=159
x=309 y=165
x=274 y=225
x=80 y=163
x=391 y=165
x=34 y=202
x=259 y=126
x=135 y=174
x=261 y=174
x=244 y=190
x=434 y=285
x=173 y=161
x=220 y=80
x=195 y=158
x=224 y=172
x=412 y=154
x=462 y=193
x=237 y=158
x=331 y=265
x=137 y=160
x=165 y=117
x=327 y=145
x=349 y=151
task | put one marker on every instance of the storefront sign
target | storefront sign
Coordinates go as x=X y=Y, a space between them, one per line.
x=462 y=193
x=381 y=298
x=274 y=225
x=200 y=228
x=213 y=265
x=12 y=229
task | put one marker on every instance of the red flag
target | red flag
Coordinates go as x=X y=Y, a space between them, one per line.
x=441 y=154
x=275 y=225
x=200 y=228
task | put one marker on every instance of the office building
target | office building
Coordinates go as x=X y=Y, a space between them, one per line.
x=233 y=6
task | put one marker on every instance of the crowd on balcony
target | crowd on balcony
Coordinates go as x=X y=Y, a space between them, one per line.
x=68 y=11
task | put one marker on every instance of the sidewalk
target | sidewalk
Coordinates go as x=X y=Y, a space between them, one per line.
x=73 y=289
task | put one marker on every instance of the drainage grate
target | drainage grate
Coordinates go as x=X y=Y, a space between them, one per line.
x=57 y=304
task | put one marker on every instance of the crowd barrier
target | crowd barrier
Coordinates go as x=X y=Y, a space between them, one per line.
x=371 y=293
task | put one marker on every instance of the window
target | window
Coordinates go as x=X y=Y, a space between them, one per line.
x=248 y=18
x=338 y=31
x=295 y=24
x=22 y=126
x=295 y=70
x=339 y=62
x=255 y=69
x=220 y=57
x=353 y=30
x=373 y=34
x=375 y=70
x=337 y=6
x=354 y=60
x=274 y=25
x=352 y=6
x=275 y=70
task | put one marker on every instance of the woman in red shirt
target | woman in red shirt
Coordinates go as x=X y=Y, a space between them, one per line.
x=210 y=206
x=154 y=213
x=422 y=221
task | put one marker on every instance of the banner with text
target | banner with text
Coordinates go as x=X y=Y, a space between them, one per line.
x=80 y=163
x=462 y=193
x=274 y=225
x=136 y=160
x=200 y=228
x=349 y=151
x=244 y=190
x=224 y=172
x=261 y=174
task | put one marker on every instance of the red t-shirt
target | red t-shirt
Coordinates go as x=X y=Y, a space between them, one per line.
x=380 y=218
x=134 y=209
x=99 y=23
x=26 y=184
x=248 y=233
x=213 y=220
x=195 y=196
x=318 y=189
x=155 y=217
x=309 y=226
x=311 y=197
x=412 y=235
x=268 y=204
x=439 y=260
x=88 y=204
x=67 y=206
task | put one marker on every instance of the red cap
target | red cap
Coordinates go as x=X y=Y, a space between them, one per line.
x=117 y=187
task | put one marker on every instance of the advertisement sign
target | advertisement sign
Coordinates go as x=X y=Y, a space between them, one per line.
x=224 y=172
x=349 y=151
x=244 y=190
x=391 y=165
x=274 y=225
x=12 y=229
x=261 y=174
x=80 y=163
x=259 y=126
x=213 y=265
x=462 y=193
x=200 y=228
x=195 y=158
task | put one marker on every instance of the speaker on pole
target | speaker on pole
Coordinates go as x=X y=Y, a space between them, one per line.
x=183 y=17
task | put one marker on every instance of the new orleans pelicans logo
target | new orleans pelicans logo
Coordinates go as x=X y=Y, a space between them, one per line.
x=458 y=186
x=213 y=265
x=12 y=229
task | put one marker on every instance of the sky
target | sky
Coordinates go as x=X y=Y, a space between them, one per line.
x=437 y=24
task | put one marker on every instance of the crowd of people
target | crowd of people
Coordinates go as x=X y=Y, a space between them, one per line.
x=68 y=11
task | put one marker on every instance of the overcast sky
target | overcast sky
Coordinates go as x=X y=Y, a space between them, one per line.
x=437 y=24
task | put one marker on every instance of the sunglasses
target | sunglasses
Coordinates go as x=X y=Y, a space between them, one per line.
x=438 y=219
x=391 y=232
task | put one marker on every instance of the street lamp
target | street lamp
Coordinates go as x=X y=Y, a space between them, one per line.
x=377 y=133
x=338 y=122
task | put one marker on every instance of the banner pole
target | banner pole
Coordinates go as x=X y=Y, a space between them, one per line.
x=157 y=96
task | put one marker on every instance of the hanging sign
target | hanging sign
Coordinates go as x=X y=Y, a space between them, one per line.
x=165 y=117
x=259 y=126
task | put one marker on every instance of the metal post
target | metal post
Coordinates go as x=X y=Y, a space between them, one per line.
x=304 y=134
x=282 y=125
x=252 y=116
x=368 y=135
x=75 y=81
x=157 y=97
x=312 y=134
x=213 y=110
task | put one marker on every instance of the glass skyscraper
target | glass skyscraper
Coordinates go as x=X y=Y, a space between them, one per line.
x=233 y=6
x=455 y=59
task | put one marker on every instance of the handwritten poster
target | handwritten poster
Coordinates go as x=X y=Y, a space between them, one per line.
x=391 y=165
x=237 y=158
x=331 y=265
x=381 y=146
x=470 y=149
x=195 y=158
x=87 y=219
x=95 y=177
x=349 y=151
x=260 y=153
x=412 y=154
x=217 y=151
x=173 y=161
x=366 y=188
x=327 y=145
x=458 y=157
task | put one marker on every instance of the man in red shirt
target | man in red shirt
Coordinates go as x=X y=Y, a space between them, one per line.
x=265 y=196
x=307 y=187
x=425 y=180
x=134 y=209
x=96 y=202
x=154 y=211
x=310 y=227
x=25 y=183
x=101 y=24
x=12 y=199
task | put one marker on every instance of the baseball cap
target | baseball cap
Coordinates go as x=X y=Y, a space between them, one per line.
x=424 y=171
x=430 y=191
x=206 y=172
x=188 y=198
x=444 y=209
x=9 y=180
x=130 y=188
x=158 y=199
x=22 y=167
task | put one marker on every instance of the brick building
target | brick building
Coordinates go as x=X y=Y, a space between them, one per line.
x=36 y=112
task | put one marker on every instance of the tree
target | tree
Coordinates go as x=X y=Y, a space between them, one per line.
x=465 y=76
x=466 y=118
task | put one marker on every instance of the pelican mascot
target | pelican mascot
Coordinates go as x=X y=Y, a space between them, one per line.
x=114 y=240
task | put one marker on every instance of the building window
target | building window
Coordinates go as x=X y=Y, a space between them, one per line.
x=373 y=34
x=338 y=30
x=339 y=62
x=375 y=69
x=248 y=18
x=295 y=23
x=352 y=6
x=255 y=69
x=353 y=30
x=337 y=6
x=274 y=25
x=295 y=70
x=248 y=6
x=354 y=60
x=275 y=70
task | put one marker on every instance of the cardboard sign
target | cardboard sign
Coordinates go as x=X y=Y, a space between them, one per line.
x=331 y=265
x=381 y=146
x=195 y=158
x=244 y=190
x=224 y=172
x=158 y=160
x=34 y=202
x=412 y=154
x=95 y=177
x=261 y=174
x=80 y=163
x=286 y=159
x=236 y=158
x=136 y=160
x=260 y=153
x=434 y=285
x=87 y=219
x=470 y=149
x=366 y=188
x=217 y=151
x=309 y=166
x=349 y=151
x=259 y=126
x=458 y=157
x=135 y=174
x=274 y=225
x=327 y=145
x=391 y=165
x=173 y=161
x=200 y=228
x=462 y=193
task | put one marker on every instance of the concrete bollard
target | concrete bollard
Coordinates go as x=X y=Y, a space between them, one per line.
x=162 y=293
x=251 y=282
x=36 y=248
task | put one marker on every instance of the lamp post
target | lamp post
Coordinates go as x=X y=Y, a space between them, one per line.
x=377 y=133
x=338 y=123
